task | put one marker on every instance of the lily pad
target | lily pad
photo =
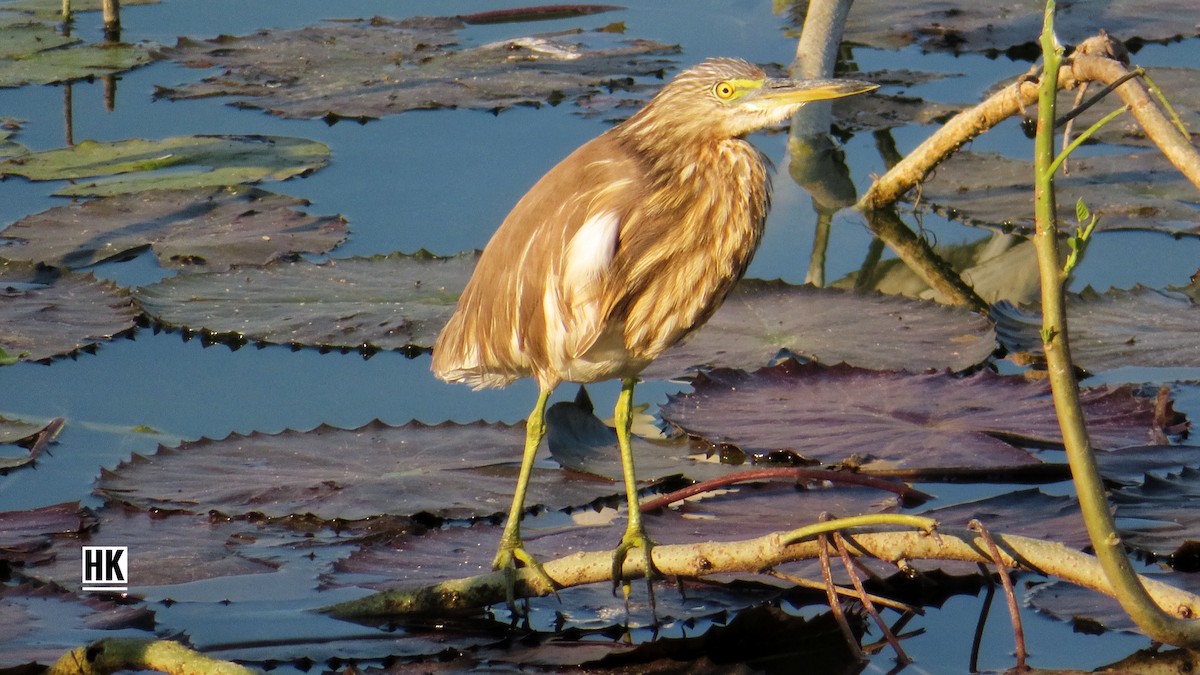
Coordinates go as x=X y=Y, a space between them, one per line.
x=20 y=38
x=1029 y=513
x=25 y=536
x=217 y=227
x=174 y=549
x=447 y=471
x=368 y=69
x=960 y=26
x=75 y=62
x=39 y=623
x=890 y=419
x=1137 y=327
x=761 y=319
x=1139 y=191
x=171 y=163
x=1161 y=514
x=385 y=302
x=45 y=314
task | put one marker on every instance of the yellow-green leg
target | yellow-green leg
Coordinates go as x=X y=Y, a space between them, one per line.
x=635 y=532
x=512 y=549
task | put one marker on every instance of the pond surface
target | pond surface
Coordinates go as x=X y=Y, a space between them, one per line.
x=442 y=180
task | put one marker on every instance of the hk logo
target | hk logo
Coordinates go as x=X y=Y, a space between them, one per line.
x=106 y=568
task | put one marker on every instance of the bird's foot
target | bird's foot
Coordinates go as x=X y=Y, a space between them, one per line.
x=635 y=537
x=509 y=557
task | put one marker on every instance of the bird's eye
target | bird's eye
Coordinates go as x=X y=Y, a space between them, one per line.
x=724 y=90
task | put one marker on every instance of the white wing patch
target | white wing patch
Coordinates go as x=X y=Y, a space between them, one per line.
x=573 y=305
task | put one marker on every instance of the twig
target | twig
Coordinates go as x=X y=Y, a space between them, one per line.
x=835 y=603
x=866 y=600
x=1014 y=610
x=906 y=493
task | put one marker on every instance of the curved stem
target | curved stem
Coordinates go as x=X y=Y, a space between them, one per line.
x=1093 y=502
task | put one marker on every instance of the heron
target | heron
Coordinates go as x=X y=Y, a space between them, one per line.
x=620 y=251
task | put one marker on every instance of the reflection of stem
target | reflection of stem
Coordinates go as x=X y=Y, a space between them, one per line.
x=816 y=264
x=110 y=92
x=865 y=278
x=920 y=257
x=1093 y=502
x=69 y=113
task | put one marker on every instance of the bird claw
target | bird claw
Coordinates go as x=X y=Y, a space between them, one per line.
x=634 y=538
x=509 y=558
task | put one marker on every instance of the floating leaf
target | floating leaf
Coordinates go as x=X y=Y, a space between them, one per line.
x=1139 y=191
x=25 y=536
x=384 y=302
x=1029 y=513
x=75 y=62
x=175 y=549
x=1162 y=513
x=762 y=318
x=834 y=413
x=1137 y=327
x=45 y=314
x=171 y=163
x=368 y=69
x=448 y=471
x=20 y=38
x=960 y=26
x=211 y=226
x=40 y=623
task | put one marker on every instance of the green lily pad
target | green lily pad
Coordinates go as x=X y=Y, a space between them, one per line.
x=171 y=163
x=368 y=69
x=1137 y=327
x=384 y=302
x=20 y=38
x=44 y=314
x=73 y=63
x=210 y=226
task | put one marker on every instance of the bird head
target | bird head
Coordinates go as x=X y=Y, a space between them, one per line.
x=729 y=98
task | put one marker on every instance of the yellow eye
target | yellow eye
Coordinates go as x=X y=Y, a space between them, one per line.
x=724 y=90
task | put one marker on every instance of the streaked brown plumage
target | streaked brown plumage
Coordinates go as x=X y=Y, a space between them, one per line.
x=620 y=251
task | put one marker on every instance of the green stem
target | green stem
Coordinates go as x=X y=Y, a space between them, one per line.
x=1093 y=501
x=926 y=525
x=1082 y=138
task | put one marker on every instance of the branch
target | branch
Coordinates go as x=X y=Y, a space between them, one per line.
x=165 y=656
x=965 y=126
x=759 y=555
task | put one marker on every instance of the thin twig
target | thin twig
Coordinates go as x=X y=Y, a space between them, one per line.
x=866 y=599
x=1014 y=610
x=835 y=603
x=906 y=493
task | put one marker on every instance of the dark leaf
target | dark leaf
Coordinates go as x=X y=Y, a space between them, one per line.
x=368 y=69
x=45 y=314
x=837 y=413
x=385 y=302
x=447 y=471
x=1138 y=327
x=215 y=227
